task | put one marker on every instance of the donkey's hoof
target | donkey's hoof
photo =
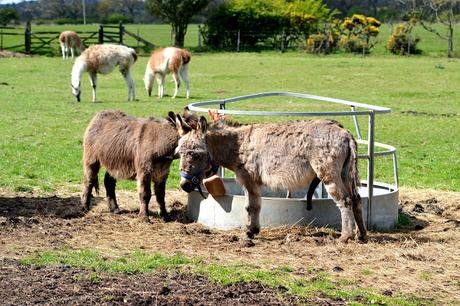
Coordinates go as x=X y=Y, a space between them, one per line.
x=251 y=233
x=166 y=217
x=362 y=238
x=144 y=218
x=345 y=238
x=115 y=211
x=248 y=243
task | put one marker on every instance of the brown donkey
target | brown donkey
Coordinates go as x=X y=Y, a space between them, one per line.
x=282 y=156
x=129 y=148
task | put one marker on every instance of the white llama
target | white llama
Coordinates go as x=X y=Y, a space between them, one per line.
x=103 y=59
x=164 y=61
x=70 y=41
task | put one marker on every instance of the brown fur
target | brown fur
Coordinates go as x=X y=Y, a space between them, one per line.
x=129 y=148
x=70 y=42
x=282 y=156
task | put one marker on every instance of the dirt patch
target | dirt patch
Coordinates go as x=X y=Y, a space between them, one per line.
x=62 y=285
x=421 y=258
x=4 y=53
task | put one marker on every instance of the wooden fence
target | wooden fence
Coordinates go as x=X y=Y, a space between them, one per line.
x=47 y=42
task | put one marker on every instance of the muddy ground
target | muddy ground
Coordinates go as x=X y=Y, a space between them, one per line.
x=421 y=258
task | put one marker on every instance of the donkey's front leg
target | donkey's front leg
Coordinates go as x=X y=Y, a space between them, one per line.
x=145 y=193
x=160 y=188
x=253 y=206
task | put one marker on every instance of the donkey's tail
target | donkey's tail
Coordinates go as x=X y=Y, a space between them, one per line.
x=351 y=164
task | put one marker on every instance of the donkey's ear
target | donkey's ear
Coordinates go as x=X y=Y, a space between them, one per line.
x=181 y=126
x=172 y=117
x=203 y=125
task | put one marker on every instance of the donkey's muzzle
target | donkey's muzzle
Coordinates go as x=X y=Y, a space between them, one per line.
x=187 y=186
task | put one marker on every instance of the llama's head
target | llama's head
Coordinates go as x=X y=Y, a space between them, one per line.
x=195 y=160
x=76 y=91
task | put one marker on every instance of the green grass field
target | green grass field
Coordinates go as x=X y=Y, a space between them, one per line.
x=41 y=124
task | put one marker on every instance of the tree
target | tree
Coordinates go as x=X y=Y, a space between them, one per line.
x=7 y=15
x=444 y=12
x=178 y=13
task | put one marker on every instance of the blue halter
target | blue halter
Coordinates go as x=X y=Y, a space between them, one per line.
x=195 y=180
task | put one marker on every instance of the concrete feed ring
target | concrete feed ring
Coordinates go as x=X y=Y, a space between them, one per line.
x=380 y=202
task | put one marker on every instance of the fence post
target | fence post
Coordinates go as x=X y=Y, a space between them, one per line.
x=282 y=41
x=121 y=31
x=238 y=42
x=101 y=34
x=1 y=39
x=27 y=37
x=199 y=37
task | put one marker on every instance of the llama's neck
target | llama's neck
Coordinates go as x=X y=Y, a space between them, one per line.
x=77 y=71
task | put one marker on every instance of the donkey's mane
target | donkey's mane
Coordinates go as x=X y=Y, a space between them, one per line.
x=232 y=123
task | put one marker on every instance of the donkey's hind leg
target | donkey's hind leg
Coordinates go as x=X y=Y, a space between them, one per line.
x=160 y=188
x=343 y=200
x=110 y=183
x=90 y=182
x=358 y=213
x=145 y=193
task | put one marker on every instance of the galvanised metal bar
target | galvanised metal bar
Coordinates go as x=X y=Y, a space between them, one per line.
x=370 y=166
x=197 y=105
x=356 y=122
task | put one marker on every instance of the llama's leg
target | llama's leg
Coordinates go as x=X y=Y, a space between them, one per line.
x=130 y=82
x=93 y=80
x=160 y=187
x=358 y=213
x=184 y=75
x=90 y=181
x=72 y=51
x=110 y=183
x=343 y=200
x=148 y=81
x=161 y=84
x=176 y=82
x=145 y=193
x=63 y=51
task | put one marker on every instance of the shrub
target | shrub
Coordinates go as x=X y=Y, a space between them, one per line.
x=262 y=22
x=117 y=18
x=357 y=32
x=323 y=42
x=67 y=21
x=401 y=40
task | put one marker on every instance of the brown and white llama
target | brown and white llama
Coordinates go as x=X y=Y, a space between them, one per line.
x=103 y=59
x=167 y=60
x=281 y=156
x=70 y=43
